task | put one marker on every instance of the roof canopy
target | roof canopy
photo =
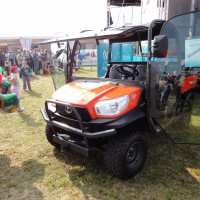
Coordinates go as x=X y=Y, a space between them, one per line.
x=125 y=2
x=111 y=33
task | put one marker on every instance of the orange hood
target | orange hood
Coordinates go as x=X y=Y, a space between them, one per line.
x=86 y=94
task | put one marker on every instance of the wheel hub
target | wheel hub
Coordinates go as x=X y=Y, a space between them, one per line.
x=133 y=154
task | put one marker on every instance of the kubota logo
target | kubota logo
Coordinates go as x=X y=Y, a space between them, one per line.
x=68 y=110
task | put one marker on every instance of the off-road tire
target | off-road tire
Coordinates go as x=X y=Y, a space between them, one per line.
x=49 y=135
x=125 y=155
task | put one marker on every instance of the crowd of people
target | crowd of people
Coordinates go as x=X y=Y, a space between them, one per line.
x=36 y=58
x=25 y=62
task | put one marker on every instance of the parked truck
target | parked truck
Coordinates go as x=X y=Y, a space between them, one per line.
x=144 y=92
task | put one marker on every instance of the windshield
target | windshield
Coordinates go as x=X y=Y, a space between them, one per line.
x=178 y=96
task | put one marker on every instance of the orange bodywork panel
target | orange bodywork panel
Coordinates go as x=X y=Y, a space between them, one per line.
x=87 y=94
x=188 y=83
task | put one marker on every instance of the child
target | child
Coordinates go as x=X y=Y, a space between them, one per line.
x=25 y=71
x=15 y=86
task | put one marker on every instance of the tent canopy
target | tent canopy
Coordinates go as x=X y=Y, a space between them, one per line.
x=4 y=41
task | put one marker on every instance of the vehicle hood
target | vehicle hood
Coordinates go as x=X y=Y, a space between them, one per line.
x=82 y=93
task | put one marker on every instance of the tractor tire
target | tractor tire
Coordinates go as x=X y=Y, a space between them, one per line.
x=125 y=155
x=49 y=135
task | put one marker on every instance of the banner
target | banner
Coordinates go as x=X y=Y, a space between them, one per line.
x=26 y=42
x=102 y=59
x=192 y=52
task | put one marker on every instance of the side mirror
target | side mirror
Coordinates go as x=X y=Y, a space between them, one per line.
x=160 y=46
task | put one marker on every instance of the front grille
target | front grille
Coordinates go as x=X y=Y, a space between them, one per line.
x=62 y=111
x=70 y=122
x=85 y=116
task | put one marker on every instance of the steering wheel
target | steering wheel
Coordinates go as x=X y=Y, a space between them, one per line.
x=127 y=71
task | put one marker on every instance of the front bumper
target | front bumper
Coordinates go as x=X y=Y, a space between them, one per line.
x=82 y=132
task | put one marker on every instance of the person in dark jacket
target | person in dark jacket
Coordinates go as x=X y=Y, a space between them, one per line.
x=36 y=60
x=2 y=58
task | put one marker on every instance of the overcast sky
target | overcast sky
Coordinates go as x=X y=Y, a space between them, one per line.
x=46 y=17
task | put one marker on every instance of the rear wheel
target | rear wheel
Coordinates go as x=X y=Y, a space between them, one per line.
x=125 y=155
x=49 y=135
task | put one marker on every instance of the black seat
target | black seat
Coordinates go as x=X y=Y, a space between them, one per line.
x=142 y=69
x=115 y=74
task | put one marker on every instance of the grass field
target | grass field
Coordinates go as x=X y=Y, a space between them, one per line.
x=30 y=168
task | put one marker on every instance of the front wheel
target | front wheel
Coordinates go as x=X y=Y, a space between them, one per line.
x=125 y=155
x=49 y=135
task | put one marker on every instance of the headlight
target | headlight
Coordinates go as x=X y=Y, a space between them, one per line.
x=52 y=107
x=112 y=107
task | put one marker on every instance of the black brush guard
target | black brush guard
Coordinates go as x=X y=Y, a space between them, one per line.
x=68 y=141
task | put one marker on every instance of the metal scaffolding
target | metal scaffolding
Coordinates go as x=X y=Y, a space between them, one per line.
x=119 y=3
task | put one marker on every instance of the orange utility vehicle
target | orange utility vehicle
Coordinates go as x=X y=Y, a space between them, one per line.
x=146 y=91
